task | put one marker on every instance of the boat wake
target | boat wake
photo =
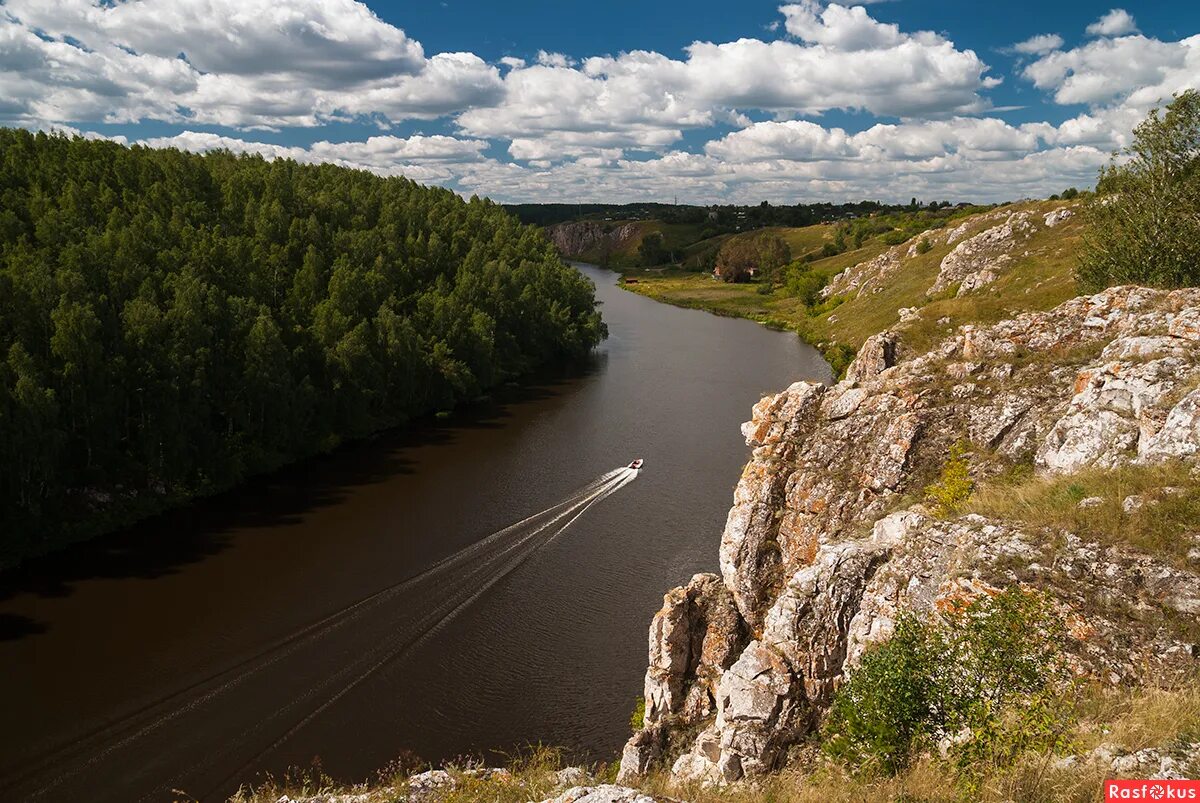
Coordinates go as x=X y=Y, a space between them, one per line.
x=373 y=631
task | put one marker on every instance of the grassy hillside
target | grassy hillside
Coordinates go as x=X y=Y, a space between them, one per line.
x=1036 y=275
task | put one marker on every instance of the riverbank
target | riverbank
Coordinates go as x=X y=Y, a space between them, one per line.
x=879 y=287
x=209 y=596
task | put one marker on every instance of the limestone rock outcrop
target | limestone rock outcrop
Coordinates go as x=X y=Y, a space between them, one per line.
x=978 y=260
x=823 y=546
x=577 y=239
x=1152 y=763
x=694 y=637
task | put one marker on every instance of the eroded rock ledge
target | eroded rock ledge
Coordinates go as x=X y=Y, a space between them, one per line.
x=824 y=546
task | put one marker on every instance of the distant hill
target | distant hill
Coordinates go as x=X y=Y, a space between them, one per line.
x=718 y=218
x=691 y=243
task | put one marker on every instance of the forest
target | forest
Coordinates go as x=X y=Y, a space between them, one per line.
x=171 y=323
x=718 y=219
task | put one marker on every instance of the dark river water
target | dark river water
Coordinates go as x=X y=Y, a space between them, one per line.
x=330 y=613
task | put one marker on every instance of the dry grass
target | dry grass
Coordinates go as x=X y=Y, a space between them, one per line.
x=1135 y=719
x=528 y=776
x=1127 y=719
x=1166 y=526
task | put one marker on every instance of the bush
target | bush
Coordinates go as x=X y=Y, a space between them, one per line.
x=839 y=356
x=879 y=717
x=1143 y=227
x=955 y=485
x=924 y=246
x=638 y=718
x=804 y=284
x=985 y=683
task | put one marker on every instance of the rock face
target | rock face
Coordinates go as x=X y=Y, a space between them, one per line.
x=978 y=260
x=821 y=552
x=1155 y=764
x=694 y=637
x=575 y=240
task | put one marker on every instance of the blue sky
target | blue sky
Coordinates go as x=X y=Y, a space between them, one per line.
x=710 y=102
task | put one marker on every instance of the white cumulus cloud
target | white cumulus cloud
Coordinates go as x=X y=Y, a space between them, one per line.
x=1039 y=45
x=1135 y=69
x=1115 y=23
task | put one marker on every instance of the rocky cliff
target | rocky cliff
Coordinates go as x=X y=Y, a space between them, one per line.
x=591 y=240
x=828 y=540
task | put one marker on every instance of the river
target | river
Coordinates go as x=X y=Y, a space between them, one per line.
x=305 y=618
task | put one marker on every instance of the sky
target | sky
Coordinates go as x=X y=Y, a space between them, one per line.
x=540 y=101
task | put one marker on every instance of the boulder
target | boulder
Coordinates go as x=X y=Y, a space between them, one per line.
x=604 y=793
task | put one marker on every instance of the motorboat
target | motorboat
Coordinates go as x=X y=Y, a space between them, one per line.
x=636 y=464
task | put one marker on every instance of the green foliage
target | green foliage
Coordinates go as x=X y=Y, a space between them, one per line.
x=804 y=283
x=773 y=255
x=828 y=305
x=954 y=486
x=764 y=254
x=924 y=246
x=171 y=322
x=651 y=250
x=880 y=716
x=893 y=227
x=1143 y=226
x=638 y=718
x=839 y=356
x=986 y=679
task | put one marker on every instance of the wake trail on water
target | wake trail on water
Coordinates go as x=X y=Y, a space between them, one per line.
x=603 y=488
x=479 y=567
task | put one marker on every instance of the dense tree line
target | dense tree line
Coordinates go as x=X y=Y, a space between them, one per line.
x=722 y=219
x=171 y=322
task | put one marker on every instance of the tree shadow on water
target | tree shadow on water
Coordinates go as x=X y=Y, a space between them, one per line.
x=170 y=541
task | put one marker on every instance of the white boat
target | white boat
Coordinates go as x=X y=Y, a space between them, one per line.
x=636 y=463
